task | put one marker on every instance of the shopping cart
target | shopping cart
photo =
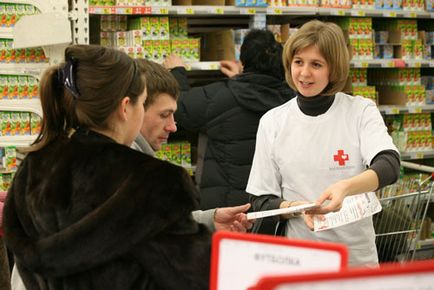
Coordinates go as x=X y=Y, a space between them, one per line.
x=405 y=204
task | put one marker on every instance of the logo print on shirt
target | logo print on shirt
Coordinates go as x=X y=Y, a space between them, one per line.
x=341 y=157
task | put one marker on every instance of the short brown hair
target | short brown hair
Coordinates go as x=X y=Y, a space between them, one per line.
x=330 y=40
x=158 y=81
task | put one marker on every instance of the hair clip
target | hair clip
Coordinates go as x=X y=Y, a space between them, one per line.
x=68 y=76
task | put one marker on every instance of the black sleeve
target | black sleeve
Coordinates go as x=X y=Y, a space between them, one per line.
x=180 y=75
x=265 y=202
x=386 y=164
x=192 y=103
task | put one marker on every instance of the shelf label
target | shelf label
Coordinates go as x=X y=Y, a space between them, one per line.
x=415 y=110
x=214 y=66
x=338 y=12
x=186 y=10
x=109 y=10
x=392 y=111
x=358 y=13
x=128 y=10
x=389 y=63
x=248 y=11
x=411 y=15
x=274 y=10
x=161 y=11
x=417 y=155
x=361 y=64
x=142 y=10
x=217 y=10
x=389 y=14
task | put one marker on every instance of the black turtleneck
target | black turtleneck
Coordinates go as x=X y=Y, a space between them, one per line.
x=314 y=106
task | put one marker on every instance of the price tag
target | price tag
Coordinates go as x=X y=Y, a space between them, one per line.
x=361 y=64
x=389 y=63
x=128 y=10
x=415 y=110
x=338 y=12
x=186 y=11
x=214 y=66
x=274 y=10
x=248 y=11
x=417 y=155
x=392 y=111
x=358 y=13
x=417 y=64
x=92 y=10
x=389 y=14
x=412 y=15
x=431 y=63
x=142 y=10
x=108 y=10
x=217 y=10
x=162 y=11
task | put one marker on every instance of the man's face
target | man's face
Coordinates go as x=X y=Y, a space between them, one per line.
x=159 y=122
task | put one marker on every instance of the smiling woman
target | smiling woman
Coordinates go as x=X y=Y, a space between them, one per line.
x=316 y=147
x=309 y=71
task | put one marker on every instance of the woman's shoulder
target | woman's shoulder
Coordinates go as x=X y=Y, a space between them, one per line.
x=355 y=99
x=279 y=112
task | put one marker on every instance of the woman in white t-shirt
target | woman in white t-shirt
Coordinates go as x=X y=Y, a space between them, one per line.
x=322 y=145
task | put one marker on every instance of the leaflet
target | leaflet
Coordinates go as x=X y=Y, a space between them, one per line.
x=354 y=208
x=286 y=210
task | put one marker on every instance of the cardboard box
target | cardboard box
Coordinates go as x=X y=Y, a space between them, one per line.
x=182 y=2
x=218 y=45
x=209 y=2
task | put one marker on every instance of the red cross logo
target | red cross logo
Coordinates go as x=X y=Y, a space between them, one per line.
x=341 y=157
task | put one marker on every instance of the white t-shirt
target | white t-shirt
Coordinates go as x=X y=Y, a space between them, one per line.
x=299 y=156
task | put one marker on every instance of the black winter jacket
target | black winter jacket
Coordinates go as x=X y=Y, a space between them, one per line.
x=88 y=213
x=228 y=112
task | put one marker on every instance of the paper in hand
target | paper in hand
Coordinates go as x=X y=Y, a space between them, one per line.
x=286 y=210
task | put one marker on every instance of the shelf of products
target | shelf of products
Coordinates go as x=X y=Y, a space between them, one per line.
x=20 y=108
x=234 y=10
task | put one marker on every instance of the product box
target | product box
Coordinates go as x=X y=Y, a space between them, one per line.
x=218 y=45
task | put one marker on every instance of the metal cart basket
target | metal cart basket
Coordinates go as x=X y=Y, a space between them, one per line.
x=399 y=224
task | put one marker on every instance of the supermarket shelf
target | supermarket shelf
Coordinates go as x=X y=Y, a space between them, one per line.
x=374 y=13
x=45 y=6
x=23 y=105
x=203 y=65
x=385 y=63
x=6 y=32
x=417 y=155
x=394 y=110
x=34 y=69
x=427 y=243
x=176 y=10
x=233 y=10
x=18 y=141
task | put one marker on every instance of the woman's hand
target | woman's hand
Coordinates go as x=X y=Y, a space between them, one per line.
x=335 y=194
x=287 y=203
x=230 y=68
x=173 y=61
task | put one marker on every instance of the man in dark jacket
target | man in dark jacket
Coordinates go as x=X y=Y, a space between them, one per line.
x=228 y=113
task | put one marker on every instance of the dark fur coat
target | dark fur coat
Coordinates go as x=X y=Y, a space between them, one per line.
x=88 y=213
